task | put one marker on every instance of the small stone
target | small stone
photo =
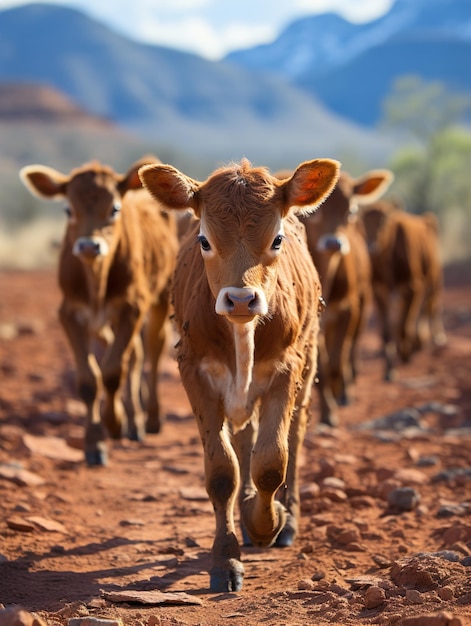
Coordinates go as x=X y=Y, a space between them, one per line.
x=305 y=584
x=94 y=621
x=309 y=492
x=333 y=482
x=20 y=524
x=374 y=597
x=334 y=495
x=20 y=476
x=445 y=593
x=404 y=498
x=414 y=597
x=17 y=616
x=47 y=524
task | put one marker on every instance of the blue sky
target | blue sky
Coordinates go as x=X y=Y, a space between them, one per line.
x=211 y=28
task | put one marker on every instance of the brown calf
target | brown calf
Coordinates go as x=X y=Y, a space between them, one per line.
x=246 y=299
x=341 y=257
x=404 y=250
x=118 y=255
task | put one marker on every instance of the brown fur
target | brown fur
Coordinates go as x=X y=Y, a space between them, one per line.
x=113 y=271
x=235 y=294
x=339 y=252
x=404 y=249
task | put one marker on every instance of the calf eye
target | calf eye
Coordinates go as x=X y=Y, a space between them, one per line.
x=204 y=243
x=276 y=245
x=68 y=211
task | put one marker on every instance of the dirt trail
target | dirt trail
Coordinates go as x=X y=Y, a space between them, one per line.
x=386 y=524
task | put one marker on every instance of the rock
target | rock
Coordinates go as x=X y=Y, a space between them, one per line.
x=17 y=616
x=309 y=491
x=403 y=498
x=305 y=584
x=333 y=482
x=411 y=476
x=424 y=573
x=20 y=476
x=334 y=495
x=438 y=619
x=20 y=524
x=52 y=448
x=445 y=593
x=94 y=621
x=374 y=597
x=414 y=597
x=47 y=524
x=150 y=597
x=343 y=535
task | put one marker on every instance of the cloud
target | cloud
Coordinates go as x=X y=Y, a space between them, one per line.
x=198 y=34
x=212 y=28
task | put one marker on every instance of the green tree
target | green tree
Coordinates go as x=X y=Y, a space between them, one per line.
x=432 y=167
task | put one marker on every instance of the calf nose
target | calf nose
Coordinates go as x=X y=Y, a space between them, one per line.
x=243 y=302
x=333 y=243
x=90 y=247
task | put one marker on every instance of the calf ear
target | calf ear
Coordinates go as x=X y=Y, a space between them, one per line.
x=44 y=181
x=311 y=184
x=131 y=179
x=372 y=185
x=169 y=186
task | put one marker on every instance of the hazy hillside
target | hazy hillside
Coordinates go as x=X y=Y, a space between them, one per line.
x=351 y=67
x=205 y=108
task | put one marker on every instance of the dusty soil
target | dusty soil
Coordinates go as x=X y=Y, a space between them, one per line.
x=386 y=524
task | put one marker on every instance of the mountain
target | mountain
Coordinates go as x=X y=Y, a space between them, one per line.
x=174 y=98
x=352 y=67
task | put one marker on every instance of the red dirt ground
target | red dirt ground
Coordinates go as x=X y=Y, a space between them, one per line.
x=80 y=542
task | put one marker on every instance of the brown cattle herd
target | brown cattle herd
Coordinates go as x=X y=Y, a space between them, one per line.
x=266 y=280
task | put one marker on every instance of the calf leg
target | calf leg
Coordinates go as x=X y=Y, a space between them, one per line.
x=137 y=429
x=328 y=404
x=338 y=341
x=433 y=313
x=297 y=431
x=410 y=304
x=221 y=476
x=157 y=331
x=383 y=305
x=244 y=441
x=115 y=369
x=263 y=516
x=89 y=383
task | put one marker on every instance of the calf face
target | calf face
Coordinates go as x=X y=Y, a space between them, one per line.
x=246 y=298
x=339 y=253
x=94 y=194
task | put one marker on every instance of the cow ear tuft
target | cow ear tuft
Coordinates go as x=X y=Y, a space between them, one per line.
x=44 y=181
x=169 y=186
x=311 y=184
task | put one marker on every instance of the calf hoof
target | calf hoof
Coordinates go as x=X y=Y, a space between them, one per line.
x=137 y=430
x=227 y=578
x=97 y=457
x=153 y=428
x=153 y=425
x=286 y=537
x=330 y=419
x=246 y=541
x=288 y=533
